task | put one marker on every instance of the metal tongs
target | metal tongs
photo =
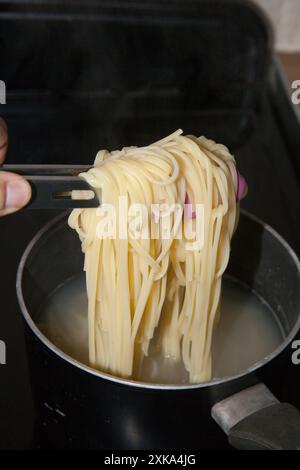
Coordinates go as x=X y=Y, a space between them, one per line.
x=52 y=186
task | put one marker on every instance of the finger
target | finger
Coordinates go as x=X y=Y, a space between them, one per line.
x=15 y=192
x=3 y=140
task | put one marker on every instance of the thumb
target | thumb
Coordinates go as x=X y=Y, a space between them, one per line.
x=15 y=192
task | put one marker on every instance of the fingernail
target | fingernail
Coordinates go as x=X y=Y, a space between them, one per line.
x=242 y=187
x=17 y=194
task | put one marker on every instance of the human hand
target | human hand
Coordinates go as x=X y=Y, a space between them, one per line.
x=15 y=191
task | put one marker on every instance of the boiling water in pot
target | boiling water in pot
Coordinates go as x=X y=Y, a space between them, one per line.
x=246 y=333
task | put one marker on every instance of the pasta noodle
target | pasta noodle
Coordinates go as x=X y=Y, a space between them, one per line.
x=137 y=283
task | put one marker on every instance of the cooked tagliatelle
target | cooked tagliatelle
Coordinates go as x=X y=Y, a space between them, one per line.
x=135 y=284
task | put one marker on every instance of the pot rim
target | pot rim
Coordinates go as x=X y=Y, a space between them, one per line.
x=139 y=384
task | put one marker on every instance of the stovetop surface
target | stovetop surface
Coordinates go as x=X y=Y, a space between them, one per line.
x=267 y=162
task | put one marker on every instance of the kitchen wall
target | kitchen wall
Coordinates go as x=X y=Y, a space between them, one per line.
x=285 y=16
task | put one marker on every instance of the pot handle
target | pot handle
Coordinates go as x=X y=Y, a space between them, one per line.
x=254 y=419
